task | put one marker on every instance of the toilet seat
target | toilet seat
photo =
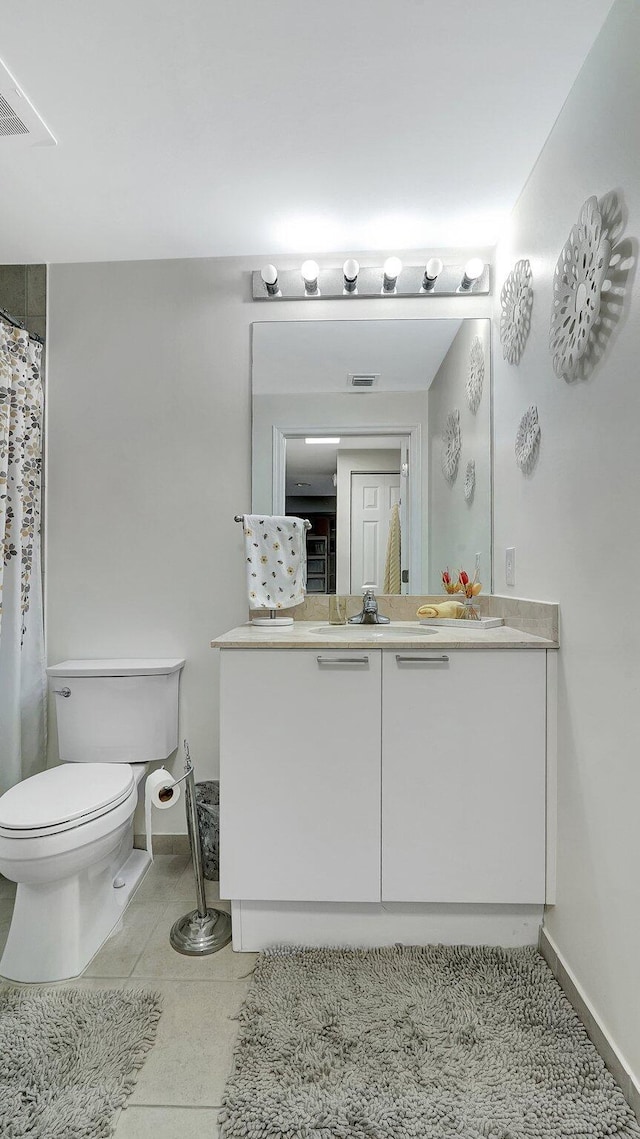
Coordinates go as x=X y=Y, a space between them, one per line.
x=64 y=797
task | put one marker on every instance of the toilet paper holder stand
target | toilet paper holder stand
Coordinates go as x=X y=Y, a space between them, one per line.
x=205 y=929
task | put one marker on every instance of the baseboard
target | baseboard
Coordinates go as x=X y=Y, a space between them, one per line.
x=610 y=1053
x=260 y=925
x=164 y=843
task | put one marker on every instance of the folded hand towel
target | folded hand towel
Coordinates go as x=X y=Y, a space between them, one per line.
x=276 y=560
x=449 y=610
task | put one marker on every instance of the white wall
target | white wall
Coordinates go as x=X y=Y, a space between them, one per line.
x=149 y=458
x=458 y=530
x=574 y=523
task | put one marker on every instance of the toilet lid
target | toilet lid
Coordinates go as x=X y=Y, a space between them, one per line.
x=64 y=795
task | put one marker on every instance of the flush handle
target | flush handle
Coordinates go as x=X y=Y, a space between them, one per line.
x=62 y=692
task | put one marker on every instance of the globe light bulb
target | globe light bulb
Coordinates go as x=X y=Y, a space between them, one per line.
x=432 y=271
x=350 y=271
x=309 y=273
x=391 y=269
x=269 y=275
x=473 y=268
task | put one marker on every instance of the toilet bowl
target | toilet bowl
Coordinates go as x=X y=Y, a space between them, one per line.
x=66 y=834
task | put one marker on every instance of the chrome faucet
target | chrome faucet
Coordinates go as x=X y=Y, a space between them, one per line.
x=369 y=614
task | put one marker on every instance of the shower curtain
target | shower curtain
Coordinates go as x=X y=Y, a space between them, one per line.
x=22 y=671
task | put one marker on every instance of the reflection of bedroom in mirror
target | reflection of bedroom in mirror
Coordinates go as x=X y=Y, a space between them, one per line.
x=348 y=431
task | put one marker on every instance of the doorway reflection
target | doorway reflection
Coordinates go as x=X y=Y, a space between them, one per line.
x=351 y=491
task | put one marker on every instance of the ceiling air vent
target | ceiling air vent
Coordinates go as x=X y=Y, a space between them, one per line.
x=9 y=121
x=362 y=380
x=20 y=123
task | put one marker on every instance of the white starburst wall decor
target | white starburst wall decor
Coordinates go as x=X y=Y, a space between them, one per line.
x=475 y=375
x=470 y=480
x=451 y=445
x=516 y=300
x=579 y=275
x=528 y=440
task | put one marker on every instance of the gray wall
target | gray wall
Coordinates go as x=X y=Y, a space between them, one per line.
x=23 y=293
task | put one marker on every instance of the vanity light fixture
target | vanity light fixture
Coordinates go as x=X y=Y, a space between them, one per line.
x=310 y=270
x=350 y=271
x=432 y=271
x=323 y=439
x=269 y=275
x=391 y=269
x=472 y=271
x=349 y=280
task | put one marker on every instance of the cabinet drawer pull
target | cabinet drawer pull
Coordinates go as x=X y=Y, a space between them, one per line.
x=342 y=660
x=444 y=659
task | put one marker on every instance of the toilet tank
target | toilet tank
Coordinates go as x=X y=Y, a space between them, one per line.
x=116 y=711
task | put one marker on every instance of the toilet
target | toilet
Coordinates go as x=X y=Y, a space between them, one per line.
x=66 y=834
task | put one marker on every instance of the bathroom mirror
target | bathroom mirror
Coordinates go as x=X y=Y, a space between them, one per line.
x=349 y=425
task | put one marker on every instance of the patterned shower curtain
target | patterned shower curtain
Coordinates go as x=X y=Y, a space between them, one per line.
x=22 y=672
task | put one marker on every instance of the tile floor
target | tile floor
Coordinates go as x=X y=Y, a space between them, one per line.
x=179 y=1089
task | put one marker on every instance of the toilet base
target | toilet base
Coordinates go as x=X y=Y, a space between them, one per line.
x=57 y=927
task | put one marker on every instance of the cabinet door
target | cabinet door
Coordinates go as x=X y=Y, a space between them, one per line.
x=463 y=776
x=300 y=775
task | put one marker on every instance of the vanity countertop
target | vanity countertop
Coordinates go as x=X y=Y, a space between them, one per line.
x=310 y=635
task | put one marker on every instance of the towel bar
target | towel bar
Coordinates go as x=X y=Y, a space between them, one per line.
x=240 y=518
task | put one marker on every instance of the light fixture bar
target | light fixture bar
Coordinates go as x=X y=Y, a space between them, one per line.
x=331 y=284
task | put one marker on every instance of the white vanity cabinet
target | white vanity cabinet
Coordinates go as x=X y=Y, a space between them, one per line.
x=463 y=776
x=387 y=776
x=300 y=775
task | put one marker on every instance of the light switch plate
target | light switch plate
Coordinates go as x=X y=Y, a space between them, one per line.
x=510 y=565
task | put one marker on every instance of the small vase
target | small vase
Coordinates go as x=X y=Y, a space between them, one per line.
x=470 y=611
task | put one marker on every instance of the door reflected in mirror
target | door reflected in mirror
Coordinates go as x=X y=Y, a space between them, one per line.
x=349 y=424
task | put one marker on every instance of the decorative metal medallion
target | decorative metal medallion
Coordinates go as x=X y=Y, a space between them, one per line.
x=470 y=480
x=475 y=377
x=528 y=440
x=516 y=299
x=452 y=443
x=577 y=286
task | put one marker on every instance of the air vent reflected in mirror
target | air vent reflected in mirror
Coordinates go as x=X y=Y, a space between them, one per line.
x=360 y=380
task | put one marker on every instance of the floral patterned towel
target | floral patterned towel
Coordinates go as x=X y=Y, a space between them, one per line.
x=276 y=560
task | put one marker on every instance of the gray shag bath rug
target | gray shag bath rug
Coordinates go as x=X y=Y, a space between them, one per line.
x=430 y=1042
x=69 y=1059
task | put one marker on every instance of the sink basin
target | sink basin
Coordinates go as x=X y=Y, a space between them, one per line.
x=397 y=631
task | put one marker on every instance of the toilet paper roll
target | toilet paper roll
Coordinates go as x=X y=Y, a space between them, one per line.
x=161 y=791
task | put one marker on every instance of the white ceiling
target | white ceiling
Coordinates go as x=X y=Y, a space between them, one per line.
x=304 y=356
x=316 y=464
x=225 y=127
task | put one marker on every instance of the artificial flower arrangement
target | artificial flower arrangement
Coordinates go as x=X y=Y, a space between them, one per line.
x=469 y=588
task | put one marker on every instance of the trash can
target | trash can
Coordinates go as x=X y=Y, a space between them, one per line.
x=208 y=808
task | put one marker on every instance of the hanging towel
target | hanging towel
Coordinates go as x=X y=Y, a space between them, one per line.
x=392 y=565
x=276 y=560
